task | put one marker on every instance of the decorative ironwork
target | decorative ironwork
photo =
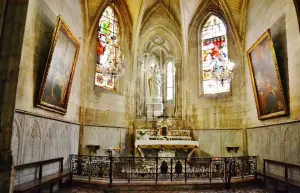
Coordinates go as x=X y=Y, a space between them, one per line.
x=164 y=167
x=199 y=168
x=142 y=168
x=178 y=167
x=99 y=167
x=161 y=168
x=80 y=165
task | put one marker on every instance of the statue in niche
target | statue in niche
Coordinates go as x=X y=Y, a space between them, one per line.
x=154 y=82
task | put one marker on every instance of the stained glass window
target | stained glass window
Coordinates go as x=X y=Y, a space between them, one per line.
x=108 y=48
x=170 y=81
x=214 y=55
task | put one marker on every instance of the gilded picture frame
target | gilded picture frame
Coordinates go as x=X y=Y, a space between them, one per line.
x=265 y=78
x=60 y=67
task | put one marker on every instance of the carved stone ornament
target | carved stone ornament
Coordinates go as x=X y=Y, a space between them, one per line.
x=158 y=40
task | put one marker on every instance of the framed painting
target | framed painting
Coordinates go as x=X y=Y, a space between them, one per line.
x=265 y=77
x=58 y=75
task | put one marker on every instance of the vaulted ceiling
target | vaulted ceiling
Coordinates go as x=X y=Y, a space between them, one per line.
x=182 y=10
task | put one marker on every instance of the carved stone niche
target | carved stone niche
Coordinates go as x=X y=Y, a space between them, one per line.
x=163 y=126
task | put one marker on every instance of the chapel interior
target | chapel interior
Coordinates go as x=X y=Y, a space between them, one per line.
x=122 y=95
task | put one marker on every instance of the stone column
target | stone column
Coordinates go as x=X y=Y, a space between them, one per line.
x=2 y=8
x=178 y=89
x=144 y=89
x=11 y=40
x=162 y=69
x=139 y=88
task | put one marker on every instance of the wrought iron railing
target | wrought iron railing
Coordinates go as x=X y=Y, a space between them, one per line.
x=161 y=168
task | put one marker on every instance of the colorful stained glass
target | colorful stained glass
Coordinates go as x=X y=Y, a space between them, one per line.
x=214 y=55
x=108 y=49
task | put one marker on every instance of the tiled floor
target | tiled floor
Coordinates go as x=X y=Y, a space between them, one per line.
x=245 y=190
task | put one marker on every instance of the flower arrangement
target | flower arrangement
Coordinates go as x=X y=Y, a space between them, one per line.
x=142 y=133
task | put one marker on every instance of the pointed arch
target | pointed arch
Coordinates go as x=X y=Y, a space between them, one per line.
x=108 y=46
x=213 y=43
x=113 y=25
x=207 y=8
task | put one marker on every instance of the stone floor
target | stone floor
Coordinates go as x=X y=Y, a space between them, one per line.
x=244 y=190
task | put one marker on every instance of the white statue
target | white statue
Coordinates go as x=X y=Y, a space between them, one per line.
x=154 y=82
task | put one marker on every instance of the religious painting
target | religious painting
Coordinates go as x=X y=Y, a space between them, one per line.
x=57 y=80
x=265 y=77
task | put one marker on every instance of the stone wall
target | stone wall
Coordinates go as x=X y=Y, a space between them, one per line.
x=275 y=142
x=104 y=107
x=13 y=14
x=38 y=138
x=281 y=18
x=275 y=138
x=105 y=137
x=214 y=142
x=212 y=114
x=39 y=134
x=207 y=111
x=40 y=23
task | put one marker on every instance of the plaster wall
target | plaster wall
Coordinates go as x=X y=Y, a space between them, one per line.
x=276 y=138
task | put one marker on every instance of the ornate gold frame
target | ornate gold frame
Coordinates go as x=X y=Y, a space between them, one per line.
x=266 y=35
x=61 y=25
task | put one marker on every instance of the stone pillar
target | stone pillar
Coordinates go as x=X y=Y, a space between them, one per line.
x=178 y=88
x=11 y=41
x=139 y=89
x=145 y=90
x=2 y=9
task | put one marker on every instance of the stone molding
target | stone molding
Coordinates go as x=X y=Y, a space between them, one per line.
x=44 y=116
x=35 y=138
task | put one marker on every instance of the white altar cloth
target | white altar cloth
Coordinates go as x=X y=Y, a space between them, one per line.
x=174 y=144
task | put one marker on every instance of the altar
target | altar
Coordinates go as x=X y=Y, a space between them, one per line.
x=165 y=141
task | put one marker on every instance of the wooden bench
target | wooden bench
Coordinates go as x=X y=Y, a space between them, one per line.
x=37 y=184
x=283 y=179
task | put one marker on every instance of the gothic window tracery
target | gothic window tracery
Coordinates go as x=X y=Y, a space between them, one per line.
x=108 y=47
x=214 y=55
x=170 y=81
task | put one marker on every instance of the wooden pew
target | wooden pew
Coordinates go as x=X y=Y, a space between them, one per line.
x=36 y=184
x=282 y=179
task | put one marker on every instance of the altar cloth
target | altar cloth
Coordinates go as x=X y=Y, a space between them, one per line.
x=173 y=144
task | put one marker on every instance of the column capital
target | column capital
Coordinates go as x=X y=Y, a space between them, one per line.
x=178 y=63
